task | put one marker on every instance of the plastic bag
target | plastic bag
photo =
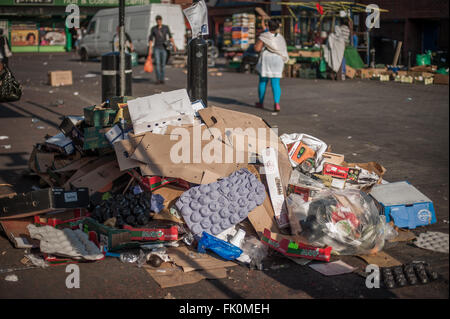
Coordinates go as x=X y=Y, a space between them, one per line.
x=148 y=66
x=346 y=220
x=297 y=212
x=254 y=251
x=423 y=59
x=220 y=247
x=10 y=88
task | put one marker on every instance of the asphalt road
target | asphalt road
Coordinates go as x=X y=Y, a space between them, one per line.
x=404 y=127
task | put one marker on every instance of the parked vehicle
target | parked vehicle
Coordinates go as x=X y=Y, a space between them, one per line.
x=138 y=22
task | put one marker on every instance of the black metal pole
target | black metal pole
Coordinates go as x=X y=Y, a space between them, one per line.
x=197 y=76
x=122 y=46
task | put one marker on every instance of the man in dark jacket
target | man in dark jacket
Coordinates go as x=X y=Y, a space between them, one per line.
x=158 y=36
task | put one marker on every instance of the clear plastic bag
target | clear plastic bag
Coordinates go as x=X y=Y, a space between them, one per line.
x=346 y=220
x=255 y=250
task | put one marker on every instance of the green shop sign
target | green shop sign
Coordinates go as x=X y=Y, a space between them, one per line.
x=81 y=3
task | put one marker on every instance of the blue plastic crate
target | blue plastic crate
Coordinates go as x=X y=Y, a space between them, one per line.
x=404 y=204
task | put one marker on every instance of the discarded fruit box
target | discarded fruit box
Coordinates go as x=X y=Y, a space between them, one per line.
x=60 y=78
x=68 y=219
x=404 y=204
x=94 y=137
x=293 y=249
x=153 y=234
x=99 y=116
x=41 y=201
x=109 y=238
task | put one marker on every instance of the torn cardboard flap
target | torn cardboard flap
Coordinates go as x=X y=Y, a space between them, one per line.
x=17 y=232
x=123 y=150
x=98 y=178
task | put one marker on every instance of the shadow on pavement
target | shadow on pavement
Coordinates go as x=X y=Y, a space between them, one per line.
x=225 y=100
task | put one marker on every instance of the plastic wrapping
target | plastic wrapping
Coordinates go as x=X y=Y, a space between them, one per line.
x=297 y=212
x=220 y=247
x=346 y=220
x=253 y=252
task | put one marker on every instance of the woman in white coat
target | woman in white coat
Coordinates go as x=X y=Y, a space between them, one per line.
x=274 y=55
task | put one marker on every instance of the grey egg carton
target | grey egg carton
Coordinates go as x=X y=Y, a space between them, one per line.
x=434 y=241
x=66 y=242
x=218 y=206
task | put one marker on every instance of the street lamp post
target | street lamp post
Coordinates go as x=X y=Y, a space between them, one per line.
x=122 y=46
x=197 y=76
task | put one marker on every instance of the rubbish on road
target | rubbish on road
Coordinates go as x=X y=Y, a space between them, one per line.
x=90 y=75
x=346 y=220
x=60 y=78
x=42 y=201
x=408 y=274
x=76 y=93
x=333 y=268
x=295 y=249
x=110 y=178
x=404 y=204
x=12 y=278
x=3 y=137
x=435 y=241
x=6 y=147
x=66 y=242
x=220 y=247
x=217 y=206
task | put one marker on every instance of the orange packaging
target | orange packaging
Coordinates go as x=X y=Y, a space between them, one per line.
x=299 y=152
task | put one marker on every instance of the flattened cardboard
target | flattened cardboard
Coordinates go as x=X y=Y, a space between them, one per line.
x=371 y=167
x=171 y=276
x=190 y=260
x=332 y=158
x=381 y=259
x=99 y=177
x=170 y=194
x=223 y=119
x=17 y=232
x=86 y=169
x=44 y=161
x=123 y=150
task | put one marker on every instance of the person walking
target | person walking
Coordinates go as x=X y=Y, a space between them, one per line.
x=158 y=43
x=5 y=49
x=274 y=55
x=128 y=43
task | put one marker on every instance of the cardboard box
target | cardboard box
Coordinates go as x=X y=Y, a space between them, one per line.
x=99 y=116
x=350 y=72
x=404 y=204
x=17 y=232
x=60 y=78
x=41 y=201
x=441 y=79
x=110 y=239
x=369 y=72
x=335 y=171
x=332 y=158
x=66 y=219
x=94 y=138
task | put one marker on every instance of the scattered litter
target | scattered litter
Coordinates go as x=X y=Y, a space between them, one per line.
x=12 y=278
x=169 y=296
x=435 y=241
x=349 y=137
x=333 y=268
x=3 y=137
x=6 y=147
x=34 y=120
x=40 y=127
x=75 y=93
x=90 y=75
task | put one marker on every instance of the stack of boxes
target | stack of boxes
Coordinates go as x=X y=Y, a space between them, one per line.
x=227 y=32
x=243 y=30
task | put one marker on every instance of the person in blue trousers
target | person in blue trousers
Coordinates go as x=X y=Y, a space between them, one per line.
x=157 y=43
x=273 y=48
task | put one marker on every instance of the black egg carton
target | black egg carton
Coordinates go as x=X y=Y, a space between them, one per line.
x=411 y=274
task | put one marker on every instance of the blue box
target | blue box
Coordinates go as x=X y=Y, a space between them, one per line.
x=404 y=204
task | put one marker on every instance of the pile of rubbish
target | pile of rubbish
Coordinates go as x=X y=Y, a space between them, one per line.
x=159 y=181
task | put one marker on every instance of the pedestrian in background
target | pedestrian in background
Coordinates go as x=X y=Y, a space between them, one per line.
x=274 y=55
x=5 y=49
x=128 y=43
x=161 y=37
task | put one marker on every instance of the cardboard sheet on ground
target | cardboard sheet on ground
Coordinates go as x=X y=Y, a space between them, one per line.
x=172 y=276
x=232 y=126
x=333 y=268
x=381 y=259
x=124 y=149
x=170 y=194
x=190 y=260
